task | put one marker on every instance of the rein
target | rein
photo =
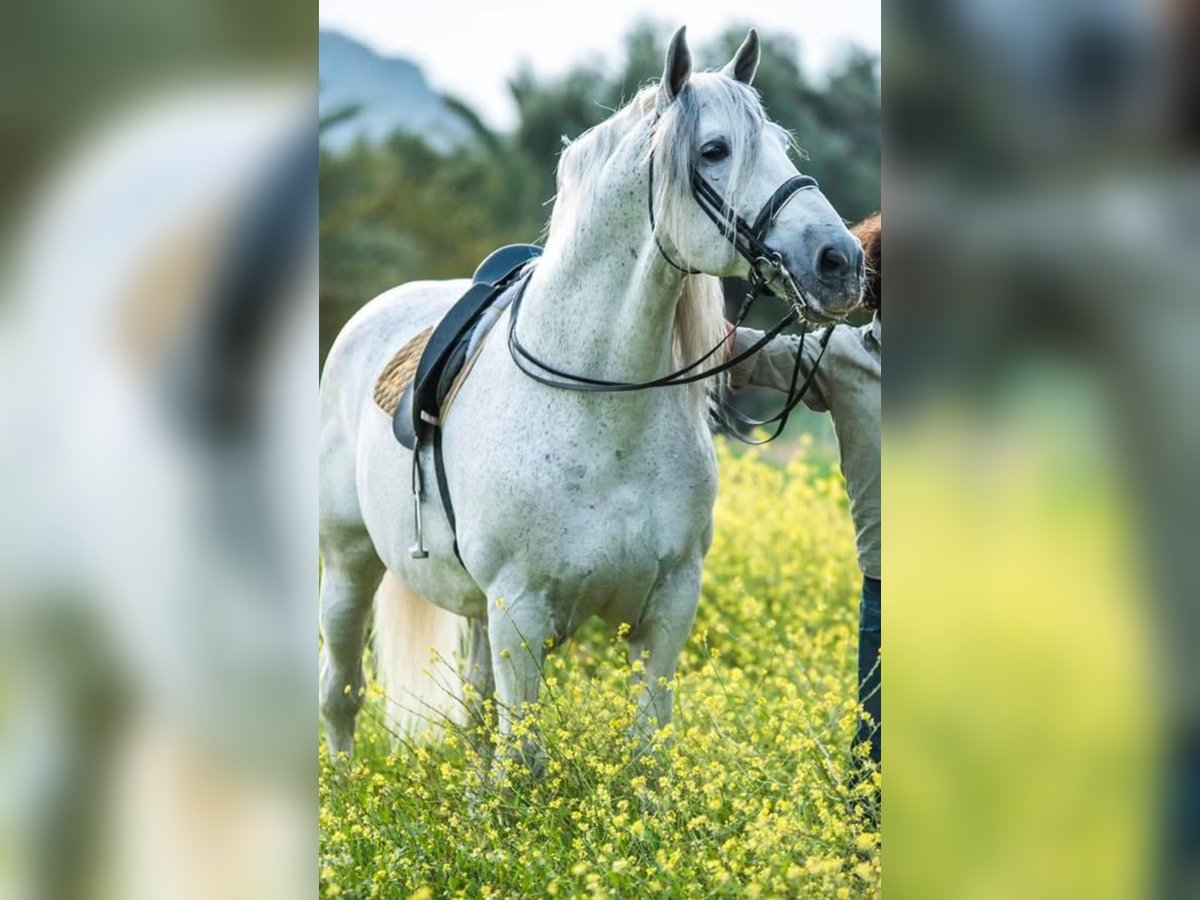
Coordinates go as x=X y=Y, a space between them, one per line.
x=766 y=272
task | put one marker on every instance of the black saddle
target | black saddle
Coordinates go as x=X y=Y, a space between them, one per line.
x=421 y=403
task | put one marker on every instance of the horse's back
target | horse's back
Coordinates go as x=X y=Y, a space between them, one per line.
x=376 y=332
x=358 y=356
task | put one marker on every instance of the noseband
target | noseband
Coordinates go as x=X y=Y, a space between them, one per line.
x=768 y=275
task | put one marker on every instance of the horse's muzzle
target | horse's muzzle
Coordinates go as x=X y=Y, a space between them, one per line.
x=830 y=285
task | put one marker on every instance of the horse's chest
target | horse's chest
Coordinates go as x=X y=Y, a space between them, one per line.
x=599 y=543
x=630 y=498
x=598 y=516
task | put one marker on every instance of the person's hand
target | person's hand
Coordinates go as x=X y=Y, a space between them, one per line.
x=738 y=342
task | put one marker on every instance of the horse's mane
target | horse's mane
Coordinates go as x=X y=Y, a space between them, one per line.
x=700 y=312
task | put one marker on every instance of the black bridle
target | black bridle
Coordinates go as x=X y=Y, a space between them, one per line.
x=768 y=275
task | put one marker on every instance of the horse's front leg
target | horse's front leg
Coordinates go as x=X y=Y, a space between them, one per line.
x=479 y=670
x=657 y=641
x=480 y=684
x=518 y=630
x=349 y=579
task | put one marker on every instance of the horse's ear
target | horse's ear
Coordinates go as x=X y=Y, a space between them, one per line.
x=677 y=70
x=745 y=62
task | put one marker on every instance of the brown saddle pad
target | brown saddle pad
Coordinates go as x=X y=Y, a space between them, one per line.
x=399 y=372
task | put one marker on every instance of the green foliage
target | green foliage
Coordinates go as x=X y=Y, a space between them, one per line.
x=755 y=795
x=402 y=211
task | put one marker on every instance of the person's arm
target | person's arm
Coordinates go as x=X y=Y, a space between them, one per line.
x=772 y=365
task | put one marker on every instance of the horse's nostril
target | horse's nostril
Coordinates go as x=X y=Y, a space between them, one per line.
x=832 y=263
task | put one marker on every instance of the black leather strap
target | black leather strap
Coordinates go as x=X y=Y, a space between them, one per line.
x=766 y=267
x=747 y=239
x=572 y=381
x=795 y=396
x=441 y=361
x=446 y=349
x=439 y=471
x=778 y=201
x=449 y=332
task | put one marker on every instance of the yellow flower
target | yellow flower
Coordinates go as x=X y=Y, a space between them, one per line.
x=765 y=695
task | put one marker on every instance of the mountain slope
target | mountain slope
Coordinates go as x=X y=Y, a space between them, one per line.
x=391 y=95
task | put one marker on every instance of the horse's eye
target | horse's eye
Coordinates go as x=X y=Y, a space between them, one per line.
x=714 y=151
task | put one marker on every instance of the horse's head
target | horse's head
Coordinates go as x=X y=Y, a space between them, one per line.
x=710 y=127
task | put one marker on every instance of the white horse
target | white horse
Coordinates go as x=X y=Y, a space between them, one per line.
x=568 y=504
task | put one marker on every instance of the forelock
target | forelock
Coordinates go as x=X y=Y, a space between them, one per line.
x=738 y=110
x=673 y=136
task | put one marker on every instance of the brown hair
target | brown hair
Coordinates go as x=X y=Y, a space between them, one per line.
x=870 y=232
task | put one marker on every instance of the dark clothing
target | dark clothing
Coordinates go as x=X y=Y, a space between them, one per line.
x=870 y=690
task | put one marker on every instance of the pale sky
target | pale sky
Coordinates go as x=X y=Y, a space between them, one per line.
x=470 y=47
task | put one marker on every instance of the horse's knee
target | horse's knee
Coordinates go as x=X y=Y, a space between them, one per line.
x=343 y=620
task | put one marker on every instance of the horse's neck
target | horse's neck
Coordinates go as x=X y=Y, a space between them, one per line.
x=603 y=307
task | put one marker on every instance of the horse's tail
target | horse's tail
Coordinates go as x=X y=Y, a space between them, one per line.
x=418 y=649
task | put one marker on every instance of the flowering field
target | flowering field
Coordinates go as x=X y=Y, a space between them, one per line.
x=753 y=794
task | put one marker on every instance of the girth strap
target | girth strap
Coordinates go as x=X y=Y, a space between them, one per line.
x=443 y=484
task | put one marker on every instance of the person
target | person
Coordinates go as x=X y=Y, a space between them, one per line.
x=846 y=384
